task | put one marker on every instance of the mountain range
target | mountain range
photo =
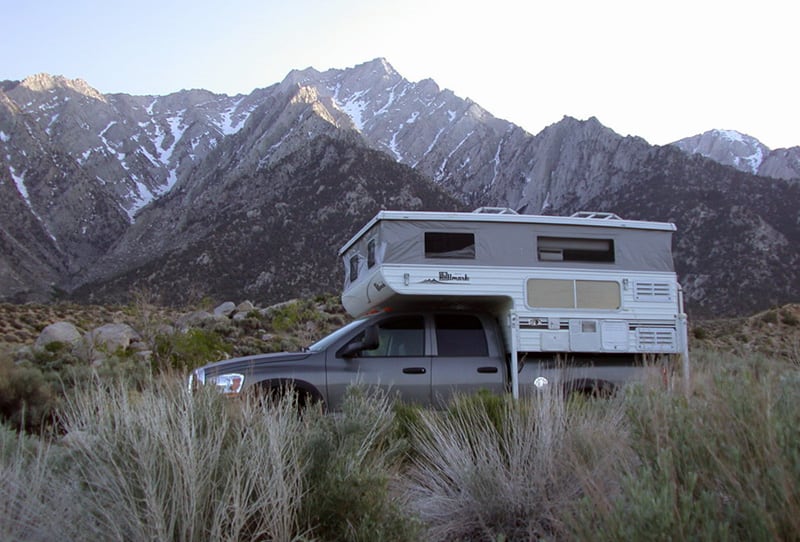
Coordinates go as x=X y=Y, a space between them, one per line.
x=197 y=194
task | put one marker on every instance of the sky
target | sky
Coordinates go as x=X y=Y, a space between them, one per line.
x=654 y=69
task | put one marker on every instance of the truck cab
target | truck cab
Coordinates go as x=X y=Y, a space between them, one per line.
x=423 y=357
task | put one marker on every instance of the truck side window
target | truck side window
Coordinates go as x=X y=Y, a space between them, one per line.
x=460 y=335
x=400 y=336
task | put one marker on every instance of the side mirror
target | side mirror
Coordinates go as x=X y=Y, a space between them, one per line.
x=369 y=342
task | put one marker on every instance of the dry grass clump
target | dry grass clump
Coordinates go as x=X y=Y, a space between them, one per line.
x=168 y=465
x=500 y=470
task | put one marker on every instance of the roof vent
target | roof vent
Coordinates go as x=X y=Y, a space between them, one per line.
x=598 y=215
x=495 y=211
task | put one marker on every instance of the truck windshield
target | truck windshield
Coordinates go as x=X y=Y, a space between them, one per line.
x=325 y=342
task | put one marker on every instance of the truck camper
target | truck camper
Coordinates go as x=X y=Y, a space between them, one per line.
x=591 y=288
x=493 y=300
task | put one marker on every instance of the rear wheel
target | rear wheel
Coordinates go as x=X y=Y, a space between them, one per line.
x=591 y=388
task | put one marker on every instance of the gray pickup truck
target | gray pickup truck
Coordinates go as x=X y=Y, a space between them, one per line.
x=425 y=356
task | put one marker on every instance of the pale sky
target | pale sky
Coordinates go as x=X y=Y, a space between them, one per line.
x=661 y=70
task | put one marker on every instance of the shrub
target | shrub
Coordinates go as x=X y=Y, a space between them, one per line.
x=407 y=416
x=721 y=464
x=38 y=502
x=770 y=317
x=163 y=464
x=352 y=459
x=492 y=470
x=789 y=318
x=290 y=316
x=26 y=395
x=185 y=351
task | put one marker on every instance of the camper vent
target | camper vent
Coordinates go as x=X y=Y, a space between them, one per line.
x=660 y=292
x=655 y=339
x=594 y=214
x=495 y=211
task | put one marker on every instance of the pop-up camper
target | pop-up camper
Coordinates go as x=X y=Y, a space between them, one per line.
x=589 y=286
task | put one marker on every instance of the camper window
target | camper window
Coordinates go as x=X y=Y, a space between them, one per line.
x=353 y=268
x=573 y=294
x=450 y=245
x=569 y=249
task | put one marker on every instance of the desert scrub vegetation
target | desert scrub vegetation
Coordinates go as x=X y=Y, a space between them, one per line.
x=34 y=380
x=152 y=461
x=165 y=464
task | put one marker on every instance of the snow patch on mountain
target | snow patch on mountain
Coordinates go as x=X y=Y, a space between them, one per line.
x=145 y=196
x=354 y=107
x=19 y=181
x=228 y=126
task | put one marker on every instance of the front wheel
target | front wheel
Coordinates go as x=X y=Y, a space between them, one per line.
x=277 y=394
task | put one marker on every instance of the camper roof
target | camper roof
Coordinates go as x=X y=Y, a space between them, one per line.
x=495 y=214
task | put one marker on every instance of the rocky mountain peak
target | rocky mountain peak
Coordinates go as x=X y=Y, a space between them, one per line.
x=744 y=152
x=43 y=82
x=300 y=77
x=376 y=67
x=727 y=147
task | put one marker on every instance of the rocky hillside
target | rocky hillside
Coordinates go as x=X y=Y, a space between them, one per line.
x=197 y=192
x=237 y=238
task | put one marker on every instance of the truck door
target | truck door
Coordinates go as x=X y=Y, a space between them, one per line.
x=465 y=359
x=399 y=364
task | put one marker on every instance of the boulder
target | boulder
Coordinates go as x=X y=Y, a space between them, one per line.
x=109 y=338
x=245 y=307
x=191 y=319
x=59 y=332
x=226 y=309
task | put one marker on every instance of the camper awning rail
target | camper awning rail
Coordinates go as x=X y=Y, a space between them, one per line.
x=589 y=219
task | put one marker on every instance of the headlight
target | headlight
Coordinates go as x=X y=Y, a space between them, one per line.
x=196 y=379
x=227 y=383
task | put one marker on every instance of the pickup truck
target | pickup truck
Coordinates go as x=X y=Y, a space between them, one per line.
x=424 y=356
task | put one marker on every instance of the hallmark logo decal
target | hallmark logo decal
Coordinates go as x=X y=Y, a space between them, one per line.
x=445 y=277
x=379 y=285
